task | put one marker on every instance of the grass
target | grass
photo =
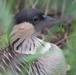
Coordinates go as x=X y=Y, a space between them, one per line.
x=70 y=45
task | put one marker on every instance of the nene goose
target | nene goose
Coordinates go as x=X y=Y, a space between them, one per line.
x=24 y=42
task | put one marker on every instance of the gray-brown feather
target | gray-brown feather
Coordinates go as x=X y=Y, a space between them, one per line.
x=52 y=63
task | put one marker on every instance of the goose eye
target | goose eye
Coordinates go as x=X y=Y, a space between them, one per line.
x=36 y=19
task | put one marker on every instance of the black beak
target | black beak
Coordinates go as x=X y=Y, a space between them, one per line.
x=50 y=21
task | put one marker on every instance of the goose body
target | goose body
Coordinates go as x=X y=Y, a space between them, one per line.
x=24 y=42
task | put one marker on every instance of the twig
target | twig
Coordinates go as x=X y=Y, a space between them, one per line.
x=60 y=41
x=63 y=8
x=65 y=38
x=55 y=8
x=17 y=5
x=34 y=5
x=74 y=2
x=26 y=4
x=47 y=7
x=5 y=2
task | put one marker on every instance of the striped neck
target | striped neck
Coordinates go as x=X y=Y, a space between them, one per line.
x=30 y=45
x=24 y=40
